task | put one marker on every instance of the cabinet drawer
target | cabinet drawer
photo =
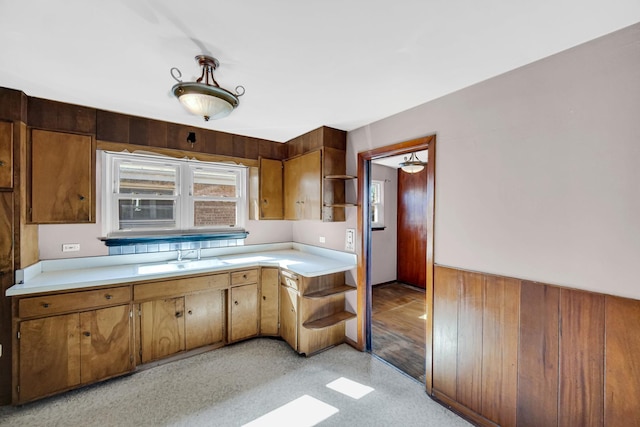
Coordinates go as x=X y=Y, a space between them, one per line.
x=167 y=288
x=289 y=279
x=244 y=277
x=75 y=301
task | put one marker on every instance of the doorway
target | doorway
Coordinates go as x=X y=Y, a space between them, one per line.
x=365 y=290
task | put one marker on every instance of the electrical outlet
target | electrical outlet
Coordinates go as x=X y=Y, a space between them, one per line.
x=70 y=247
x=350 y=240
x=322 y=239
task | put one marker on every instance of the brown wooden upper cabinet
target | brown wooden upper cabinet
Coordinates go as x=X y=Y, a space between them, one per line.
x=271 y=200
x=303 y=186
x=62 y=170
x=6 y=154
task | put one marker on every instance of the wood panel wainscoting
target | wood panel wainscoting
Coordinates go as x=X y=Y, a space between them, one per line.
x=512 y=352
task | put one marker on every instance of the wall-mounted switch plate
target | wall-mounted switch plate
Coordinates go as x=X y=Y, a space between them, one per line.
x=322 y=239
x=70 y=247
x=350 y=240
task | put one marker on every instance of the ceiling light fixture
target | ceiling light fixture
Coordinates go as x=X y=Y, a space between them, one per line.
x=205 y=97
x=412 y=165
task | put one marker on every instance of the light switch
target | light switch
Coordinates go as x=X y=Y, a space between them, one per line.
x=350 y=240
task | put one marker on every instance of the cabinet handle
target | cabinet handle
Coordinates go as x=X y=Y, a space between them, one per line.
x=235 y=302
x=107 y=296
x=179 y=314
x=2 y=164
x=264 y=298
x=81 y=197
x=45 y=304
x=264 y=201
x=244 y=276
x=190 y=312
x=87 y=334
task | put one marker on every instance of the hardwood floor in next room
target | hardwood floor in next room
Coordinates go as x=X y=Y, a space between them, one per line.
x=398 y=327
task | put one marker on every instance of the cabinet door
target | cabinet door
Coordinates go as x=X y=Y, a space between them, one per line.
x=244 y=312
x=289 y=316
x=269 y=303
x=105 y=343
x=6 y=154
x=49 y=355
x=303 y=184
x=6 y=232
x=161 y=328
x=62 y=177
x=271 y=186
x=292 y=209
x=204 y=321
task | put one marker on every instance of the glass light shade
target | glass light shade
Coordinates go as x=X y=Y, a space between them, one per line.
x=413 y=165
x=413 y=168
x=205 y=100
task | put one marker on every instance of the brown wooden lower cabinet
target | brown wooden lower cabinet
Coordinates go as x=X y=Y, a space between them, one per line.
x=511 y=352
x=289 y=316
x=243 y=312
x=172 y=325
x=312 y=311
x=269 y=302
x=70 y=339
x=61 y=352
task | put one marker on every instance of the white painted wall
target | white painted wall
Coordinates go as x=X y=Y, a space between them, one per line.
x=538 y=170
x=384 y=243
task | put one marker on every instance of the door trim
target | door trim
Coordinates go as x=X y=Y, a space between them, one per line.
x=363 y=241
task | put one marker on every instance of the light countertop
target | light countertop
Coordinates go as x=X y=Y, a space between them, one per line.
x=78 y=273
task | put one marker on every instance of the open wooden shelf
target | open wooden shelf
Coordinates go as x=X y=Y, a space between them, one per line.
x=325 y=322
x=330 y=291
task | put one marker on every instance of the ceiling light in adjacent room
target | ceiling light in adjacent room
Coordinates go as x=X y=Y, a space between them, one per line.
x=412 y=165
x=205 y=97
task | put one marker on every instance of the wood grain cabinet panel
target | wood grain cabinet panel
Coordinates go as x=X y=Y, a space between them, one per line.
x=581 y=400
x=105 y=343
x=302 y=185
x=538 y=355
x=73 y=301
x=271 y=186
x=6 y=154
x=269 y=301
x=204 y=319
x=49 y=356
x=62 y=169
x=500 y=349
x=243 y=308
x=162 y=328
x=6 y=231
x=289 y=316
x=622 y=363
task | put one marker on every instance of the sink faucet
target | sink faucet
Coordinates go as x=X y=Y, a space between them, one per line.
x=181 y=254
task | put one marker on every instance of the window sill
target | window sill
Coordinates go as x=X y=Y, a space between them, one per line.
x=173 y=238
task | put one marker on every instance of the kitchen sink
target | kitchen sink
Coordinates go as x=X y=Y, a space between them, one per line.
x=183 y=265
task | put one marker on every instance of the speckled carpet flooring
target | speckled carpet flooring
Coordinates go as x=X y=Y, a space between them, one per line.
x=260 y=381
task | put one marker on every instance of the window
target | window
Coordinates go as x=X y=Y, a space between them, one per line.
x=145 y=193
x=376 y=203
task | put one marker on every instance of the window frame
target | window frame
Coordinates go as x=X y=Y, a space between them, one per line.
x=183 y=194
x=377 y=207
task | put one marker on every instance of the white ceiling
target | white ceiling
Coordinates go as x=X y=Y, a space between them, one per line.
x=304 y=64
